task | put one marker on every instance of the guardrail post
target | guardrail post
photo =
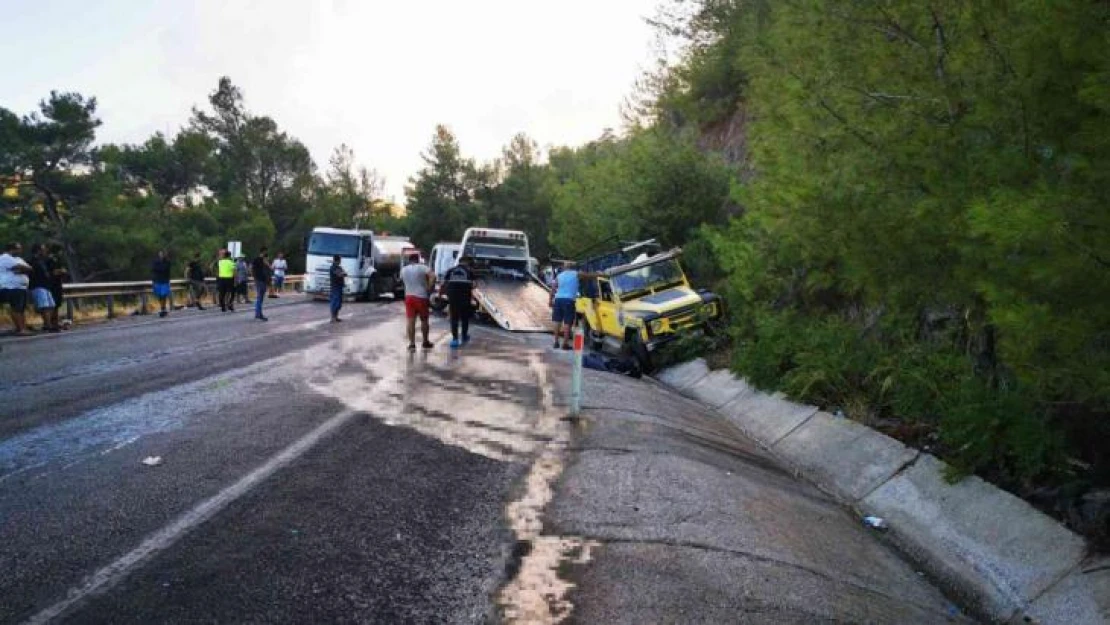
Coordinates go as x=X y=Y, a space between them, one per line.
x=111 y=308
x=142 y=303
x=69 y=310
x=576 y=373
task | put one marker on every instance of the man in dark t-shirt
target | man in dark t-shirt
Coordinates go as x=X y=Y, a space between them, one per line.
x=260 y=268
x=458 y=283
x=338 y=278
x=194 y=273
x=160 y=279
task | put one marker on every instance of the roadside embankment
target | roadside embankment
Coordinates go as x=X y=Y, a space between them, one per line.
x=1002 y=557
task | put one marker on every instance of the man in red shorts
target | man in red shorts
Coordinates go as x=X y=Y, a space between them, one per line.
x=419 y=280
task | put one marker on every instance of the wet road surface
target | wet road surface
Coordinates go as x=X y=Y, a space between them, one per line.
x=317 y=473
x=311 y=472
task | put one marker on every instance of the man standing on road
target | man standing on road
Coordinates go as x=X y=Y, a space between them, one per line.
x=458 y=283
x=562 y=302
x=59 y=275
x=160 y=277
x=14 y=277
x=39 y=288
x=194 y=273
x=260 y=267
x=419 y=281
x=242 y=277
x=338 y=279
x=225 y=281
x=280 y=266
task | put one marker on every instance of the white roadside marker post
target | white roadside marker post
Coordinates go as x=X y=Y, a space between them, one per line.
x=576 y=373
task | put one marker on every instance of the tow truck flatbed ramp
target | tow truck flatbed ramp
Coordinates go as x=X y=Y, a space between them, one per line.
x=516 y=305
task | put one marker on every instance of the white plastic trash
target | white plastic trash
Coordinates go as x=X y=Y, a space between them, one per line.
x=875 y=523
x=152 y=461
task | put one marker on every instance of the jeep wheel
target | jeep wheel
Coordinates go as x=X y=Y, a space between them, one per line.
x=634 y=348
x=594 y=339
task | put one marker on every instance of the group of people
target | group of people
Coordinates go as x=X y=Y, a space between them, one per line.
x=420 y=282
x=233 y=277
x=36 y=282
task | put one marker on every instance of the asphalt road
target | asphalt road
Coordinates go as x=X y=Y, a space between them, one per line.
x=310 y=472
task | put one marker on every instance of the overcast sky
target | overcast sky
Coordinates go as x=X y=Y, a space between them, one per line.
x=377 y=75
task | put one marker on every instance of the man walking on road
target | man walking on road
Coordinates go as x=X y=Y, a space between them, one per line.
x=419 y=281
x=261 y=270
x=194 y=273
x=458 y=283
x=14 y=277
x=225 y=281
x=338 y=279
x=160 y=278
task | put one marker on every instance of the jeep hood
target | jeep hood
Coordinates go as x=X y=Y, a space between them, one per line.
x=663 y=301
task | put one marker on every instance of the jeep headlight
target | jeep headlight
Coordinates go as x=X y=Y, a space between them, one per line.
x=657 y=326
x=710 y=310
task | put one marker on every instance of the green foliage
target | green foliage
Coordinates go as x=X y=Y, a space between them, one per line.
x=925 y=234
x=231 y=175
x=653 y=183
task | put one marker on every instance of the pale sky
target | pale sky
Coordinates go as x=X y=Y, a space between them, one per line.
x=375 y=75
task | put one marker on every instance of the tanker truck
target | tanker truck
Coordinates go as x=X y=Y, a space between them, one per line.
x=373 y=262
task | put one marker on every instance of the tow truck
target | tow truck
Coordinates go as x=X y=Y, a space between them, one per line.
x=507 y=291
x=641 y=300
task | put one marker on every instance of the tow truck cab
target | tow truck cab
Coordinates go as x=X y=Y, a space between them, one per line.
x=640 y=306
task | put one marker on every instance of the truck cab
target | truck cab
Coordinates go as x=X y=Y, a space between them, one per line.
x=640 y=306
x=372 y=262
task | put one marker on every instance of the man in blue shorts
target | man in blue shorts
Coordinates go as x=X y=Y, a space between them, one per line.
x=160 y=279
x=562 y=302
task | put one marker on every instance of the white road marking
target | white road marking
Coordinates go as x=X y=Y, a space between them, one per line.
x=115 y=572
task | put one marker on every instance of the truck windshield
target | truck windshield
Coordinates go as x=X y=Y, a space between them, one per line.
x=657 y=276
x=483 y=247
x=329 y=244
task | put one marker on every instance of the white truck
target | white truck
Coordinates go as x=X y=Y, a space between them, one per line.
x=372 y=262
x=507 y=291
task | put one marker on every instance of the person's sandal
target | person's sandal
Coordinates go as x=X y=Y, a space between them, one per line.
x=412 y=347
x=428 y=345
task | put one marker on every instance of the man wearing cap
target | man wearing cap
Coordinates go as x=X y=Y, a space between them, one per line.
x=418 y=280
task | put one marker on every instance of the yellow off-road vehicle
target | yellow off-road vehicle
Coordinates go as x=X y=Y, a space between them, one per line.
x=637 y=307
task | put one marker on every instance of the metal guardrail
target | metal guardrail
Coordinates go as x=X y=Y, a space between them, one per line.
x=111 y=291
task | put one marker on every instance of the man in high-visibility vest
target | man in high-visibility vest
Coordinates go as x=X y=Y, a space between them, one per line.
x=225 y=281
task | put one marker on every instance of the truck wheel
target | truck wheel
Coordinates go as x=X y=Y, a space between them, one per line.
x=635 y=349
x=371 y=292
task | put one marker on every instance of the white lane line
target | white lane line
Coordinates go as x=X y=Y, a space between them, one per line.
x=115 y=572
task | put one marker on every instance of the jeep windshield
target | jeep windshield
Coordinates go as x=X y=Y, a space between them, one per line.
x=655 y=277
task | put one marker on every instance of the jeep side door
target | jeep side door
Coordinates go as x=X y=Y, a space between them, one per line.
x=608 y=308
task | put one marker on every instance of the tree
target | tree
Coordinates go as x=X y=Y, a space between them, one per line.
x=440 y=196
x=357 y=191
x=258 y=163
x=51 y=150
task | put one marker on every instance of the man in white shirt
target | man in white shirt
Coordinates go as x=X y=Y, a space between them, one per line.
x=279 y=267
x=418 y=279
x=14 y=277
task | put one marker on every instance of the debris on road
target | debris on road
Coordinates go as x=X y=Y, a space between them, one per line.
x=875 y=523
x=152 y=461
